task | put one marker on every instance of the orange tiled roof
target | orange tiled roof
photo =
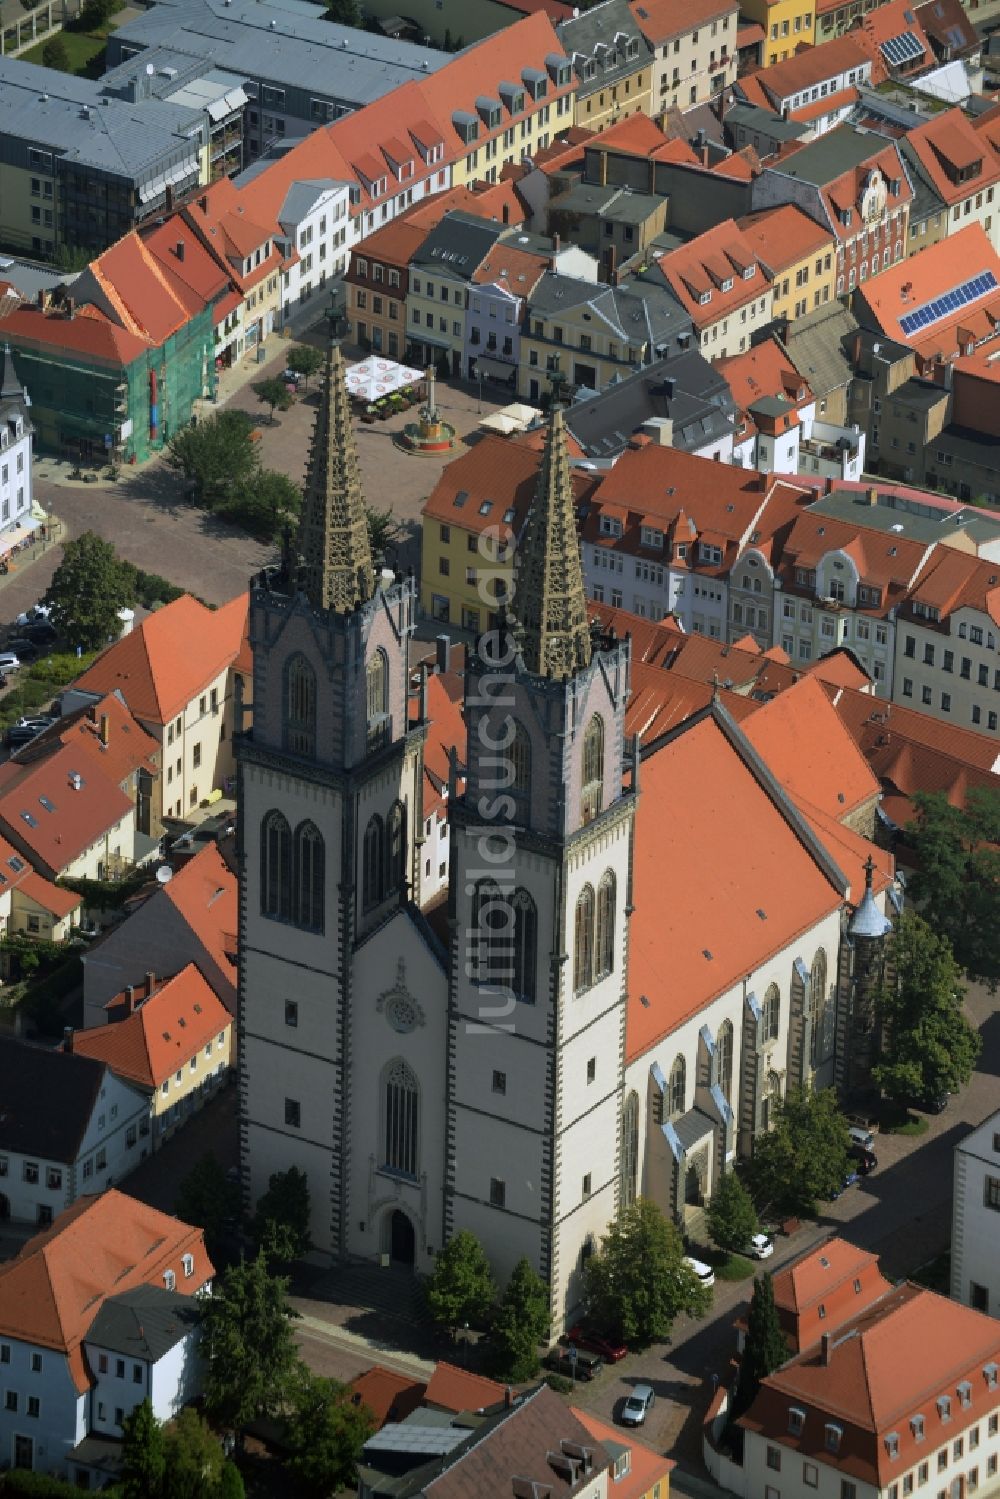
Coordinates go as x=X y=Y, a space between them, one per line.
x=162 y=1033
x=835 y=776
x=705 y=264
x=661 y=20
x=499 y=473
x=55 y=899
x=101 y=1246
x=954 y=580
x=811 y=66
x=93 y=337
x=81 y=804
x=204 y=891
x=764 y=370
x=127 y=747
x=666 y=483
x=933 y=271
x=646 y=1468
x=889 y=20
x=516 y=271
x=457 y=1390
x=947 y=144
x=172 y=656
x=635 y=135
x=815 y=1274
x=842 y=99
x=388 y=1395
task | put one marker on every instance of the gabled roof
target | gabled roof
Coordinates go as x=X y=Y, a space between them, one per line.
x=47 y=1099
x=60 y=806
x=658 y=481
x=935 y=272
x=101 y=1246
x=811 y=66
x=162 y=1033
x=834 y=776
x=879 y=32
x=818 y=1272
x=646 y=1468
x=954 y=580
x=784 y=235
x=144 y=1323
x=104 y=734
x=145 y=284
x=457 y=1390
x=92 y=337
x=170 y=657
x=204 y=892
x=491 y=486
x=388 y=1395
x=722 y=264
x=947 y=144
x=661 y=20
x=764 y=370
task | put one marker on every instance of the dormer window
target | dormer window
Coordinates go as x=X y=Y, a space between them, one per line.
x=623 y=1463
x=610 y=525
x=651 y=537
x=846 y=215
x=990 y=1376
x=749 y=273
x=944 y=1407
x=169 y=1280
x=964 y=1393
x=917 y=1428
x=467 y=127
x=360 y=265
x=832 y=1436
x=892 y=1444
x=704 y=298
x=489 y=111
x=727 y=285
x=796 y=1420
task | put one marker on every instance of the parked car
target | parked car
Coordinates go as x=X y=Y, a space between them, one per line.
x=291 y=377
x=704 y=1272
x=866 y=1160
x=637 y=1405
x=23 y=648
x=612 y=1352
x=849 y=1181
x=33 y=615
x=9 y=661
x=23 y=733
x=933 y=1103
x=761 y=1247
x=584 y=1366
x=861 y=1135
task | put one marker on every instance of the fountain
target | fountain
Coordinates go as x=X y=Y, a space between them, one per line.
x=429 y=434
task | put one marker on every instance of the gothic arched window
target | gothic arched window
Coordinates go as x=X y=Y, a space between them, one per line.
x=724 y=1050
x=276 y=867
x=628 y=1176
x=819 y=1047
x=524 y=959
x=400 y=1118
x=772 y=1097
x=583 y=941
x=520 y=764
x=770 y=1015
x=377 y=699
x=592 y=800
x=604 y=944
x=310 y=877
x=300 y=706
x=678 y=1087
x=395 y=840
x=373 y=863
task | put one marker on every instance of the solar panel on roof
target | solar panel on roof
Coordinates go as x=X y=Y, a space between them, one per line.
x=952 y=301
x=903 y=48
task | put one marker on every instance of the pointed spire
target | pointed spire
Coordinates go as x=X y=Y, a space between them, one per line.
x=338 y=572
x=550 y=601
x=11 y=388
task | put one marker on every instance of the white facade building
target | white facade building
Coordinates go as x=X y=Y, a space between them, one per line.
x=975 y=1221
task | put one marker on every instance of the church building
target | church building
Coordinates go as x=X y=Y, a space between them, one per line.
x=639 y=949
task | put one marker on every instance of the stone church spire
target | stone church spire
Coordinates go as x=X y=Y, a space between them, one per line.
x=338 y=572
x=10 y=386
x=550 y=601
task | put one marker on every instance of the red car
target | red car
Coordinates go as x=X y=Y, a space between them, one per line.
x=612 y=1353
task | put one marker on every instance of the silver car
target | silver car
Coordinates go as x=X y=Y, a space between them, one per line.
x=637 y=1404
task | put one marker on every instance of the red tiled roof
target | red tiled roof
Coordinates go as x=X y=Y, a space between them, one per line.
x=947 y=144
x=646 y=1468
x=172 y=656
x=843 y=99
x=665 y=483
x=660 y=20
x=811 y=66
x=457 y=1390
x=499 y=472
x=835 y=776
x=126 y=748
x=91 y=337
x=933 y=271
x=101 y=1246
x=705 y=263
x=162 y=1034
x=635 y=135
x=204 y=891
x=954 y=580
x=388 y=1395
x=55 y=899
x=765 y=370
x=84 y=804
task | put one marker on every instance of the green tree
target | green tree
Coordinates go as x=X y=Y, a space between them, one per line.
x=957 y=882
x=521 y=1323
x=928 y=1047
x=804 y=1157
x=143 y=1456
x=462 y=1288
x=344 y=12
x=732 y=1218
x=247 y=1343
x=96 y=14
x=637 y=1282
x=88 y=588
x=55 y=54
x=194 y=1458
x=216 y=456
x=384 y=530
x=765 y=1348
x=231 y=1484
x=282 y=1216
x=265 y=505
x=306 y=360
x=273 y=393
x=325 y=1433
x=208 y=1200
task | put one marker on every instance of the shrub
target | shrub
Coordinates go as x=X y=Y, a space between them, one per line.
x=560 y=1384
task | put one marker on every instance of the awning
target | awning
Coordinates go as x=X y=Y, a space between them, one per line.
x=150 y=190
x=494 y=369
x=430 y=338
x=9 y=539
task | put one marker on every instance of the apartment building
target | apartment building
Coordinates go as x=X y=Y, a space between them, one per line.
x=500 y=288
x=441 y=270
x=975 y=1221
x=613 y=62
x=720 y=282
x=817 y=87
x=948 y=626
x=694 y=50
x=797 y=253
x=963 y=170
x=787 y=25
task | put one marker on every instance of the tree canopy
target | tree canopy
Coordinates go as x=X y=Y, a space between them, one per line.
x=281 y=1223
x=247 y=1343
x=88 y=588
x=344 y=13
x=956 y=885
x=462 y=1288
x=272 y=393
x=637 y=1282
x=216 y=456
x=143 y=1457
x=804 y=1157
x=521 y=1322
x=928 y=1047
x=194 y=1458
x=765 y=1348
x=305 y=359
x=207 y=1199
x=731 y=1217
x=325 y=1432
x=263 y=505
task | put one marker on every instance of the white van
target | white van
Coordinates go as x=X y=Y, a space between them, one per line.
x=861 y=1135
x=704 y=1272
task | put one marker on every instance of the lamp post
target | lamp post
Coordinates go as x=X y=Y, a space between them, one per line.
x=477 y=374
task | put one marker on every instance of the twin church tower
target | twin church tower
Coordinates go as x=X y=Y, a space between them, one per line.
x=427 y=1085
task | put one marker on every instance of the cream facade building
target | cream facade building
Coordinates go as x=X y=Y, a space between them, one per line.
x=975 y=1222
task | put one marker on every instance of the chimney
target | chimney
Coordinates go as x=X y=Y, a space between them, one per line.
x=203 y=203
x=826 y=1344
x=92 y=713
x=873 y=496
x=168 y=198
x=508 y=1394
x=180 y=249
x=67 y=1038
x=442 y=653
x=555 y=244
x=150 y=984
x=70 y=306
x=105 y=730
x=129 y=1003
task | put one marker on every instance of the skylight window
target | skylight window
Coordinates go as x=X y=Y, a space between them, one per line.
x=16 y=865
x=49 y=806
x=30 y=819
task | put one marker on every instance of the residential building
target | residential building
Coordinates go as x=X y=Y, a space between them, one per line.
x=376 y=285
x=797 y=253
x=834 y=17
x=615 y=223
x=171 y=1039
x=613 y=62
x=81 y=166
x=16 y=432
x=787 y=26
x=824 y=1290
x=963 y=170
x=80 y=1289
x=463 y=21
x=191 y=918
x=69 y=821
x=500 y=288
x=91 y=1130
x=817 y=87
x=946 y=638
x=855 y=185
x=311 y=227
x=722 y=285
x=694 y=50
x=297 y=70
x=975 y=1226
x=815 y=343
x=412 y=1055
x=441 y=269
x=680 y=402
x=753 y=126
x=592 y=334
x=180 y=81
x=637 y=1471
x=950 y=31
x=909 y=1384
x=896 y=41
x=250 y=254
x=182 y=673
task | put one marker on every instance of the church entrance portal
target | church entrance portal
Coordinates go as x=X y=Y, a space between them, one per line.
x=402 y=1240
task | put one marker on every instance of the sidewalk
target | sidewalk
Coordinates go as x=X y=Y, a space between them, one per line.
x=19 y=562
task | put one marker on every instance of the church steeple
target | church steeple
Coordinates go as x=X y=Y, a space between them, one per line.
x=338 y=571
x=11 y=388
x=550 y=601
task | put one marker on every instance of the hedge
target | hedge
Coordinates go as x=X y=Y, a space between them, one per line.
x=44 y=1486
x=35 y=685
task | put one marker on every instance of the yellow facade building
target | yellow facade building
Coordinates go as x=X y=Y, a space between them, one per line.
x=798 y=254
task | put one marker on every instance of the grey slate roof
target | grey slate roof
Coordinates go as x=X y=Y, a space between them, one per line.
x=619 y=204
x=926 y=526
x=610 y=26
x=46 y=108
x=300 y=198
x=752 y=117
x=683 y=387
x=144 y=1323
x=641 y=310
x=46 y=1099
x=458 y=245
x=300 y=50
x=830 y=155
